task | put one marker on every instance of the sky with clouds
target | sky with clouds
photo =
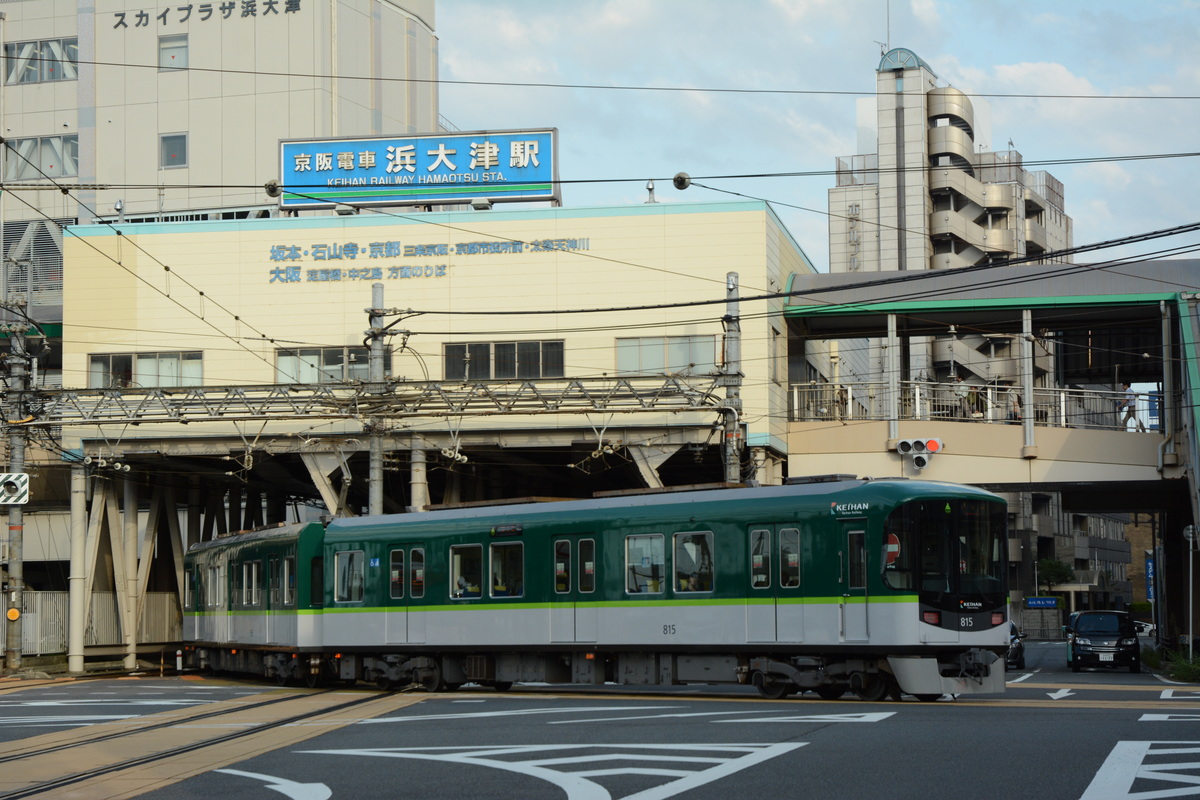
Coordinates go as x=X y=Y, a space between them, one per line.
x=1064 y=80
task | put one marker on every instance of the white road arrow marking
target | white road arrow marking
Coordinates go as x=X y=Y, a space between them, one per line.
x=1060 y=694
x=292 y=789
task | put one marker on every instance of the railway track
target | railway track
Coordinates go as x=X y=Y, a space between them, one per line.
x=134 y=756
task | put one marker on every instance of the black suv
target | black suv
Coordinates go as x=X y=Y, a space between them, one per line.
x=1102 y=639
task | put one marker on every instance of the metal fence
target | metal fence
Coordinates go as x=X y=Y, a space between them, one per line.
x=44 y=621
x=1062 y=408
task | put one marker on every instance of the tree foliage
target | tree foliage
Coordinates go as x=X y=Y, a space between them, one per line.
x=1052 y=571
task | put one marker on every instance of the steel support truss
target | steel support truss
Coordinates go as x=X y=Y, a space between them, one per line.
x=391 y=400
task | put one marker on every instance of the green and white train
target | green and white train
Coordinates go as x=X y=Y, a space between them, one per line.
x=829 y=585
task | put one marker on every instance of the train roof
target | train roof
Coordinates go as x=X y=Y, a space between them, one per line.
x=892 y=489
x=283 y=531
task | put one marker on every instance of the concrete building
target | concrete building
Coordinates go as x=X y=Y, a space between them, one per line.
x=95 y=96
x=928 y=191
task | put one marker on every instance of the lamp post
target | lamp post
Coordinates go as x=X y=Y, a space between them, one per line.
x=1189 y=533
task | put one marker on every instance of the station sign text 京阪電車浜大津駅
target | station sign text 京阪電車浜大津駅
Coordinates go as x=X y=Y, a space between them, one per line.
x=423 y=169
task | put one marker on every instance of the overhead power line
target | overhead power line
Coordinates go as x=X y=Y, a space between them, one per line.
x=604 y=87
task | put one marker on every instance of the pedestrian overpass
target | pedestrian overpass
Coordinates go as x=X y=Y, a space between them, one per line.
x=1082 y=328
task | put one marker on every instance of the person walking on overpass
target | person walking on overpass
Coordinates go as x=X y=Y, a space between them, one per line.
x=1128 y=404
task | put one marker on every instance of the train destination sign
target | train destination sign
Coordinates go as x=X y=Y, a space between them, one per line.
x=421 y=169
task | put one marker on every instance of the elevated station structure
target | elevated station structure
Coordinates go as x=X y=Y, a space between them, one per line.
x=1045 y=420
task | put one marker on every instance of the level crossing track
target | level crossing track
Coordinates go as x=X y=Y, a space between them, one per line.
x=159 y=749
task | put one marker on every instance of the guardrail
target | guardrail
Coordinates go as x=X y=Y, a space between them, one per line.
x=923 y=400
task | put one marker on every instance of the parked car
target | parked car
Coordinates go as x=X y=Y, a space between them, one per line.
x=1102 y=639
x=1015 y=659
x=1143 y=628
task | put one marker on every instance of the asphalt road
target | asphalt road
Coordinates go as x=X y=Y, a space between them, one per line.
x=1097 y=735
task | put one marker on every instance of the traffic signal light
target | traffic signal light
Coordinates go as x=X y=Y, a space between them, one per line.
x=14 y=489
x=919 y=450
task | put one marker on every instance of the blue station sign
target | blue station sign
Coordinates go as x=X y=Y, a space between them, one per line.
x=1041 y=602
x=421 y=169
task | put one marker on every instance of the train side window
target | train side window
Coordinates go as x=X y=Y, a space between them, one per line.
x=238 y=578
x=760 y=559
x=289 y=580
x=693 y=562
x=416 y=580
x=251 y=588
x=349 y=569
x=188 y=592
x=508 y=569
x=789 y=558
x=274 y=586
x=316 y=582
x=466 y=570
x=214 y=594
x=587 y=565
x=562 y=566
x=645 y=564
x=856 y=544
x=397 y=574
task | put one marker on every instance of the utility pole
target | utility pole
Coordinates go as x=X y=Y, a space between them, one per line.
x=14 y=409
x=732 y=379
x=375 y=434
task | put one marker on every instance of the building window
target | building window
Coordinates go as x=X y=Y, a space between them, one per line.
x=172 y=150
x=42 y=157
x=118 y=370
x=326 y=365
x=45 y=60
x=659 y=355
x=173 y=52
x=504 y=360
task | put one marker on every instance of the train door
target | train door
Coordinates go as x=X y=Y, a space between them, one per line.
x=760 y=606
x=573 y=610
x=274 y=591
x=416 y=594
x=406 y=589
x=774 y=611
x=853 y=580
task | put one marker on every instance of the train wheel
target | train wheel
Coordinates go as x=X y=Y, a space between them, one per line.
x=875 y=688
x=283 y=677
x=502 y=686
x=928 y=698
x=774 y=689
x=432 y=680
x=384 y=682
x=830 y=691
x=451 y=687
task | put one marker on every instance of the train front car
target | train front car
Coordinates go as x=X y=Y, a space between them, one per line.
x=947 y=545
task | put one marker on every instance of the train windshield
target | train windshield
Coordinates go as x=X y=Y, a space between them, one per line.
x=950 y=551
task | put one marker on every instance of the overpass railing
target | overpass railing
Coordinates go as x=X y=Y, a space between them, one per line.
x=1063 y=408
